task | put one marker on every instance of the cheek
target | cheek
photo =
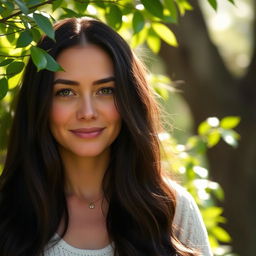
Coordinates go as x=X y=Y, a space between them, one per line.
x=59 y=114
x=112 y=113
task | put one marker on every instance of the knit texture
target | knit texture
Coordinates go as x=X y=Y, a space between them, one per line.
x=188 y=227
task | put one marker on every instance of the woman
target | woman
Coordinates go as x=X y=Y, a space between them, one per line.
x=82 y=174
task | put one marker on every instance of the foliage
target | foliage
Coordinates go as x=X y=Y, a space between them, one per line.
x=186 y=162
x=22 y=22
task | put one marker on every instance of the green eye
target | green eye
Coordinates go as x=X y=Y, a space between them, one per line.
x=106 y=90
x=64 y=92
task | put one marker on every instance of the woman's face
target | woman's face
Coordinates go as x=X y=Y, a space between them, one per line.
x=84 y=119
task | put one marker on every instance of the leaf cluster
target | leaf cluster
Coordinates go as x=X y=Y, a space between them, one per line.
x=187 y=161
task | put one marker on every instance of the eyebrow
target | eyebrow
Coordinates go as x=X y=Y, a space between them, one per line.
x=97 y=82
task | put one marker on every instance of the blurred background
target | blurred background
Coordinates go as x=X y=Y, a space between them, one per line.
x=215 y=66
x=213 y=71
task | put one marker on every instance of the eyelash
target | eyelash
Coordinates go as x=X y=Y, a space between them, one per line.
x=107 y=88
x=61 y=91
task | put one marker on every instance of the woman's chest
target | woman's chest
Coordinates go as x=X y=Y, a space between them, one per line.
x=86 y=228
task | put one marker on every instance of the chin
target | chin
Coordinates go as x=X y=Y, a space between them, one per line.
x=89 y=152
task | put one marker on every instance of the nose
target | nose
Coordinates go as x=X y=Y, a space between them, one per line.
x=86 y=109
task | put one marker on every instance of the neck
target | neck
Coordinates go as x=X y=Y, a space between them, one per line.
x=84 y=175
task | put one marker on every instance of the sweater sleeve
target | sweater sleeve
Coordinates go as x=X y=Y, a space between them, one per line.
x=188 y=223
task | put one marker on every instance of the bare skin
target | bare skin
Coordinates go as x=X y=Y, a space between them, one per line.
x=87 y=227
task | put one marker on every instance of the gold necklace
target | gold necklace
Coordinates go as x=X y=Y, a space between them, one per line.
x=91 y=205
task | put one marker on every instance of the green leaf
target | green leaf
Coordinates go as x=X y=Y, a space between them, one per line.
x=38 y=57
x=221 y=234
x=36 y=34
x=56 y=4
x=204 y=128
x=153 y=41
x=213 y=241
x=33 y=2
x=22 y=6
x=100 y=4
x=165 y=33
x=11 y=35
x=230 y=122
x=214 y=4
x=3 y=87
x=138 y=21
x=45 y=24
x=189 y=171
x=81 y=6
x=71 y=13
x=196 y=144
x=212 y=212
x=127 y=8
x=162 y=92
x=52 y=65
x=170 y=5
x=114 y=17
x=139 y=38
x=3 y=28
x=183 y=6
x=154 y=7
x=6 y=62
x=24 y=39
x=232 y=1
x=192 y=142
x=10 y=6
x=213 y=138
x=212 y=216
x=219 y=193
x=2 y=10
x=7 y=10
x=43 y=60
x=14 y=68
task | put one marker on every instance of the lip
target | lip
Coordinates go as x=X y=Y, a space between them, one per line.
x=86 y=133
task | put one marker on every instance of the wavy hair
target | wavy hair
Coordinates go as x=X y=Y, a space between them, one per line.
x=32 y=203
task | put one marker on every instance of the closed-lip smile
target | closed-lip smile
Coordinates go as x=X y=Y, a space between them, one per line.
x=91 y=129
x=90 y=132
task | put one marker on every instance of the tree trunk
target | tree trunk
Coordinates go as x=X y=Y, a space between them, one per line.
x=211 y=90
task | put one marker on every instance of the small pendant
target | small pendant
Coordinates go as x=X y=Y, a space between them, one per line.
x=91 y=205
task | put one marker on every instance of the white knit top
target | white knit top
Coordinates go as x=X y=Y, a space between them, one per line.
x=188 y=227
x=64 y=249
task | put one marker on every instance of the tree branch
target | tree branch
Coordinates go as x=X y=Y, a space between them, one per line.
x=8 y=56
x=101 y=1
x=22 y=29
x=3 y=20
x=51 y=1
x=97 y=1
x=7 y=34
x=11 y=74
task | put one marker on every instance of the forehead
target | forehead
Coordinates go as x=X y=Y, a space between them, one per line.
x=89 y=60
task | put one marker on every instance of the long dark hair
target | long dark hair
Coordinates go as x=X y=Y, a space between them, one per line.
x=32 y=203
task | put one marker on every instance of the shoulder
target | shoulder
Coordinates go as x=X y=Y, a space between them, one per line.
x=188 y=225
x=185 y=203
x=184 y=200
x=186 y=210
